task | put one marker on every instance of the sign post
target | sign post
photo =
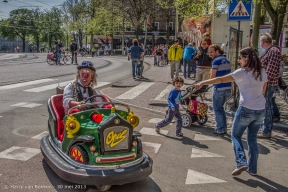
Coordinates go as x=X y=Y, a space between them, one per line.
x=239 y=10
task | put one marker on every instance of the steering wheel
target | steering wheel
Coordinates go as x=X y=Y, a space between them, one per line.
x=94 y=96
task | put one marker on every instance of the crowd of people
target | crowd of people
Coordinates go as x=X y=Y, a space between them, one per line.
x=257 y=80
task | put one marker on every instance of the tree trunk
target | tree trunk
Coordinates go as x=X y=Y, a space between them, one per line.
x=167 y=31
x=38 y=44
x=23 y=43
x=112 y=45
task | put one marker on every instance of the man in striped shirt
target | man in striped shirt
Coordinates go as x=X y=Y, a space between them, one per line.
x=270 y=62
x=221 y=66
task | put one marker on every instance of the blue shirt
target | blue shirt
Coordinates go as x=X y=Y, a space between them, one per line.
x=188 y=52
x=135 y=51
x=223 y=67
x=174 y=98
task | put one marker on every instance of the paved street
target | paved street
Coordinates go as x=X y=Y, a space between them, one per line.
x=197 y=162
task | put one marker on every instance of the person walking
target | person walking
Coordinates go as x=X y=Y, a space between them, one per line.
x=165 y=51
x=174 y=99
x=175 y=54
x=57 y=50
x=203 y=62
x=271 y=63
x=135 y=53
x=221 y=66
x=189 y=53
x=159 y=54
x=74 y=50
x=252 y=81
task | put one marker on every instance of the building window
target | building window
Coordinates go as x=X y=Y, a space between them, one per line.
x=170 y=26
x=156 y=26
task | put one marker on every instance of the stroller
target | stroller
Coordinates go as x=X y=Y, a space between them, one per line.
x=194 y=109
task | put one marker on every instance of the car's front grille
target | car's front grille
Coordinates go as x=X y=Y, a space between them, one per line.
x=116 y=138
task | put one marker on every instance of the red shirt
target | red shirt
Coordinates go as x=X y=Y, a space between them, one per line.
x=271 y=63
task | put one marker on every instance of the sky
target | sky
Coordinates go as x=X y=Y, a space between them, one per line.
x=5 y=8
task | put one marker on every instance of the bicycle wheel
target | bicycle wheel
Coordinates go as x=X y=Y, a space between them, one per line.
x=50 y=62
x=67 y=59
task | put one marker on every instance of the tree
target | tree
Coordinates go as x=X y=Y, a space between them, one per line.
x=276 y=10
x=136 y=12
x=167 y=11
x=19 y=24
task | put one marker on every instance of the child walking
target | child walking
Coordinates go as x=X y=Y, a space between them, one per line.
x=174 y=99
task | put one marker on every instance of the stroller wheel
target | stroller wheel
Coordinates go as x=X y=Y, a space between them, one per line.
x=285 y=95
x=186 y=120
x=202 y=120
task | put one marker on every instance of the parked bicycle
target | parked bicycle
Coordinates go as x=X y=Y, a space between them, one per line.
x=64 y=59
x=84 y=53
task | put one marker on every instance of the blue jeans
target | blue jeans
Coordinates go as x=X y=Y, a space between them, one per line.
x=219 y=99
x=187 y=62
x=155 y=60
x=268 y=121
x=275 y=108
x=251 y=120
x=135 y=67
x=58 y=56
x=169 y=118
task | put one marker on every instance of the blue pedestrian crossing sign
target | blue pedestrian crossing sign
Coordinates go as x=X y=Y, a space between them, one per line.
x=240 y=10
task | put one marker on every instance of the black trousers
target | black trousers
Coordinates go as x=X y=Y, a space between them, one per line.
x=74 y=57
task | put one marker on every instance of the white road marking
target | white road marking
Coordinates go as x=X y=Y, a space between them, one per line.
x=152 y=131
x=155 y=146
x=199 y=153
x=5 y=87
x=156 y=120
x=19 y=153
x=101 y=84
x=41 y=135
x=164 y=93
x=1 y=116
x=135 y=91
x=47 y=87
x=199 y=137
x=26 y=104
x=194 y=177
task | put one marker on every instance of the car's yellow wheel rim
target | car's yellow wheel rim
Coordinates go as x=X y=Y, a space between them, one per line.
x=77 y=155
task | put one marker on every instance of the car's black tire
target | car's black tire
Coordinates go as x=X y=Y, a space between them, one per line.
x=139 y=148
x=76 y=152
x=186 y=120
x=202 y=120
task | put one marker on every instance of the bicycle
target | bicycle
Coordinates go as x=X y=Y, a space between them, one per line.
x=95 y=54
x=52 y=59
x=84 y=53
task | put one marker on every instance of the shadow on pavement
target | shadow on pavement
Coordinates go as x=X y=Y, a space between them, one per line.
x=270 y=186
x=186 y=141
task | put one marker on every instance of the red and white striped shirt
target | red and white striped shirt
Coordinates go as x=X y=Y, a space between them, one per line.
x=271 y=63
